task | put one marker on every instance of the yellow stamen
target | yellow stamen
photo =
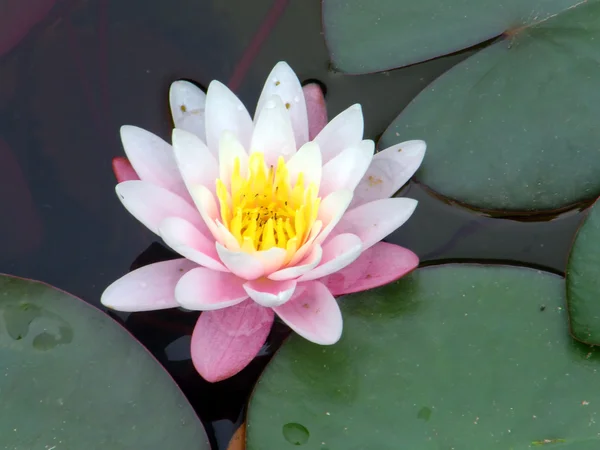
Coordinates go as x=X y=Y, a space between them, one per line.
x=263 y=210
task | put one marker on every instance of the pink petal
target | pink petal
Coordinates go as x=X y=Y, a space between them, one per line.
x=208 y=209
x=151 y=204
x=390 y=169
x=314 y=314
x=224 y=111
x=271 y=259
x=316 y=109
x=379 y=265
x=338 y=253
x=345 y=130
x=227 y=340
x=373 y=221
x=273 y=133
x=152 y=159
x=269 y=293
x=147 y=288
x=283 y=82
x=189 y=242
x=243 y=264
x=123 y=170
x=310 y=262
x=204 y=289
x=346 y=170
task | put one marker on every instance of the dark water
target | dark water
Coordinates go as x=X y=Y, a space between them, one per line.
x=90 y=66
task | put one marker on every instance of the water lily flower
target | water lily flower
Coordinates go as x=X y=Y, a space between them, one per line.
x=272 y=216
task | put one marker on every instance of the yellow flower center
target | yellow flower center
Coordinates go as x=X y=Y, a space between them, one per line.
x=263 y=210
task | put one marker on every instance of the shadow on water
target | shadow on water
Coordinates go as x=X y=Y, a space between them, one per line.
x=72 y=72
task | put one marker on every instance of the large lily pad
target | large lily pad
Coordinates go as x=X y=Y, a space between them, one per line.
x=72 y=378
x=373 y=35
x=583 y=280
x=515 y=127
x=455 y=356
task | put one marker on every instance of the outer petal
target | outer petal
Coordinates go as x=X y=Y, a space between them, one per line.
x=147 y=288
x=206 y=290
x=283 y=82
x=390 y=169
x=151 y=204
x=373 y=221
x=189 y=242
x=306 y=160
x=224 y=111
x=347 y=169
x=123 y=170
x=152 y=159
x=269 y=293
x=273 y=134
x=314 y=314
x=187 y=103
x=196 y=163
x=227 y=340
x=379 y=265
x=316 y=108
x=345 y=130
x=338 y=253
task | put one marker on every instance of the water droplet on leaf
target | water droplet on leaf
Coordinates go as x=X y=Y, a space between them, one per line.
x=295 y=433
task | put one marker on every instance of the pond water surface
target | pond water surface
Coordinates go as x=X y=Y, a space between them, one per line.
x=90 y=66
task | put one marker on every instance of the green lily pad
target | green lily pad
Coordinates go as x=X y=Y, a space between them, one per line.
x=73 y=378
x=373 y=35
x=515 y=127
x=454 y=356
x=583 y=280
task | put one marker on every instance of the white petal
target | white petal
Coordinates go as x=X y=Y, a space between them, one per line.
x=309 y=263
x=347 y=169
x=283 y=82
x=196 y=163
x=151 y=204
x=343 y=131
x=188 y=103
x=242 y=264
x=230 y=149
x=331 y=211
x=152 y=159
x=224 y=111
x=186 y=240
x=273 y=134
x=339 y=252
x=373 y=221
x=390 y=169
x=208 y=209
x=306 y=160
x=270 y=293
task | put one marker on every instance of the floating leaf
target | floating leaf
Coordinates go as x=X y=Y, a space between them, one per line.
x=454 y=356
x=373 y=35
x=72 y=378
x=583 y=280
x=514 y=127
